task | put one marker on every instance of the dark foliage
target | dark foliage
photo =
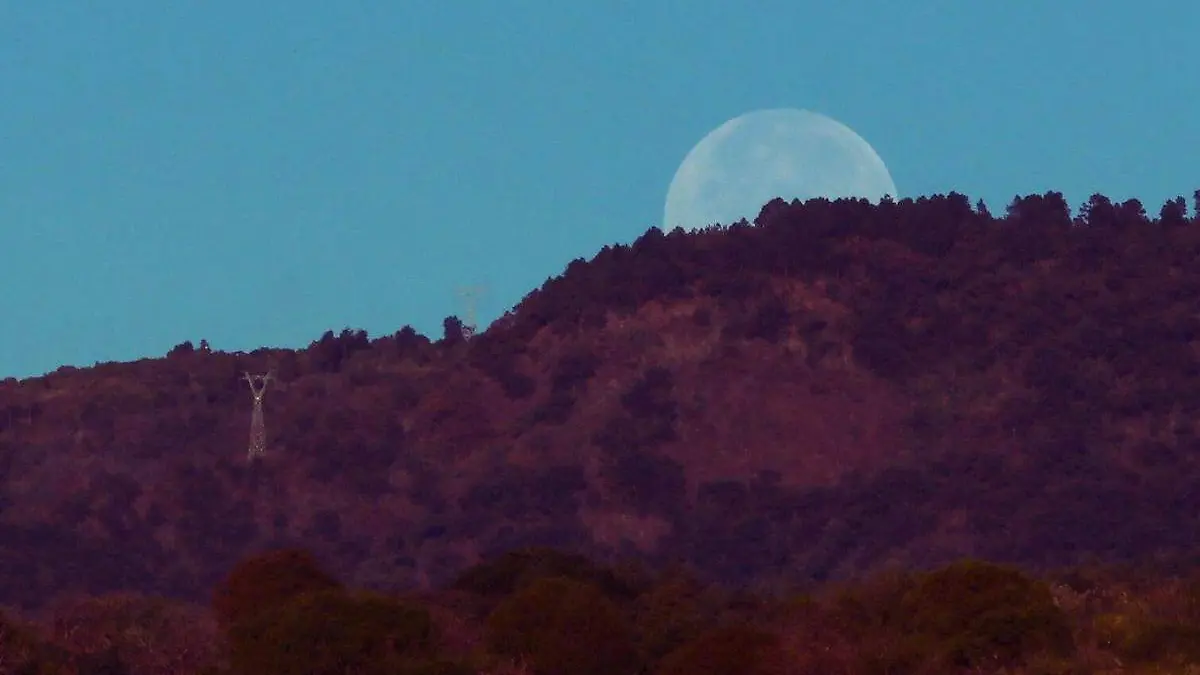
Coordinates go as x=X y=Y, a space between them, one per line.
x=515 y=569
x=562 y=626
x=972 y=614
x=573 y=370
x=1047 y=361
x=645 y=481
x=332 y=632
x=331 y=351
x=728 y=649
x=263 y=582
x=500 y=360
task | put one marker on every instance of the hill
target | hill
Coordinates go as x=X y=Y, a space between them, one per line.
x=839 y=388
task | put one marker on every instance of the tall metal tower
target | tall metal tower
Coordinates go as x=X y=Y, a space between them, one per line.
x=258 y=430
x=469 y=295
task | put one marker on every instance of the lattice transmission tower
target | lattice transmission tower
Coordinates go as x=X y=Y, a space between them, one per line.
x=470 y=295
x=258 y=429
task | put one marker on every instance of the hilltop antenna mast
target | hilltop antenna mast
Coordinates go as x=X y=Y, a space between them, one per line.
x=469 y=296
x=258 y=430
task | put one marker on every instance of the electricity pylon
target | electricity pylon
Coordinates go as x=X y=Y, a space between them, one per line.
x=258 y=429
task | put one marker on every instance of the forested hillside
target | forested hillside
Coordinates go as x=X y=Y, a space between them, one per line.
x=838 y=388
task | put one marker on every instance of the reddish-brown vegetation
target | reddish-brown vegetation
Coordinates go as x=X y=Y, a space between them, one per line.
x=839 y=388
x=547 y=612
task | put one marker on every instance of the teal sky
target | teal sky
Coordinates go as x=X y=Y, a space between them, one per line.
x=255 y=173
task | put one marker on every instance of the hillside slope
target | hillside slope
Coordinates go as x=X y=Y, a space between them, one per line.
x=838 y=388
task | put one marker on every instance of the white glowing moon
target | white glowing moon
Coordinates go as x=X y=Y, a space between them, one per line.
x=788 y=153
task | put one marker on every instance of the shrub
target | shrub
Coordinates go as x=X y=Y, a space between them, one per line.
x=870 y=615
x=1146 y=639
x=670 y=614
x=556 y=409
x=107 y=662
x=23 y=652
x=334 y=632
x=514 y=570
x=770 y=321
x=737 y=648
x=562 y=627
x=573 y=370
x=150 y=634
x=974 y=613
x=268 y=580
x=17 y=644
x=436 y=666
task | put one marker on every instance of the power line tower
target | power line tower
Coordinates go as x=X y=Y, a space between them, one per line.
x=258 y=430
x=469 y=296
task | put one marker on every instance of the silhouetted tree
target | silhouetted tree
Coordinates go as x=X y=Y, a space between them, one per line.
x=409 y=342
x=333 y=632
x=1173 y=213
x=453 y=331
x=268 y=580
x=185 y=348
x=1039 y=211
x=331 y=351
x=544 y=622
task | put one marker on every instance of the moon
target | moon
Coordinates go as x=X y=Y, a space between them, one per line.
x=783 y=152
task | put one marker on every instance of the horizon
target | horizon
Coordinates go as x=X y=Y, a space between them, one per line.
x=257 y=176
x=995 y=213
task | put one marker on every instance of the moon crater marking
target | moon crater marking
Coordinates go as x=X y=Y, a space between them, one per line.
x=788 y=153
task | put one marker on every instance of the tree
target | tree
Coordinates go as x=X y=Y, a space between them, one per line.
x=268 y=580
x=735 y=648
x=1173 y=213
x=671 y=613
x=573 y=370
x=1143 y=638
x=770 y=321
x=331 y=351
x=185 y=348
x=973 y=614
x=454 y=332
x=517 y=569
x=982 y=209
x=146 y=633
x=1131 y=213
x=106 y=662
x=1097 y=211
x=18 y=645
x=562 y=627
x=1046 y=210
x=881 y=344
x=333 y=632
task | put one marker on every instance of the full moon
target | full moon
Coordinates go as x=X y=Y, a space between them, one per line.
x=788 y=153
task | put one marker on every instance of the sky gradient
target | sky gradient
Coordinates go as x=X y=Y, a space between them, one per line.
x=257 y=173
